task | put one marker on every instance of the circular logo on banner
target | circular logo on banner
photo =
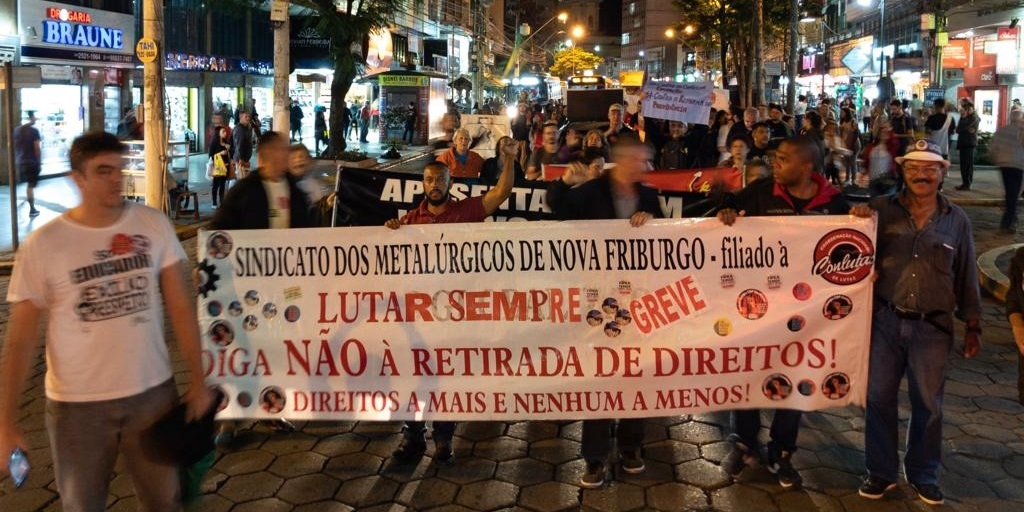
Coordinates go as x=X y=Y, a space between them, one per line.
x=844 y=256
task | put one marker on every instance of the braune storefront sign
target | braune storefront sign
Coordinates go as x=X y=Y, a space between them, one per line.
x=61 y=33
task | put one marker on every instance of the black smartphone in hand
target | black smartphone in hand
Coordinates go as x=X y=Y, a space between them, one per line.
x=18 y=465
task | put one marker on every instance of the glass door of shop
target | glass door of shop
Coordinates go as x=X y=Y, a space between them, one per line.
x=182 y=113
x=60 y=118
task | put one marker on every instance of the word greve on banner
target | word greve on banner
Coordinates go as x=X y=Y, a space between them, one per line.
x=686 y=102
x=538 y=320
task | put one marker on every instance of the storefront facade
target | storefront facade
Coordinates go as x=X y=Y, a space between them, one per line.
x=84 y=56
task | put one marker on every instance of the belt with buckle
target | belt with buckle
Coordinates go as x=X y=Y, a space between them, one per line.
x=910 y=314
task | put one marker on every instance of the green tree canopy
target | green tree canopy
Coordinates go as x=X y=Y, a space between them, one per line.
x=574 y=59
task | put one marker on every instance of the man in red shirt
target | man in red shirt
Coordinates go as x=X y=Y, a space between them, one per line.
x=438 y=207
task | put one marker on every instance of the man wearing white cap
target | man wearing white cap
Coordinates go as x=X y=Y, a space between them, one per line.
x=615 y=126
x=926 y=274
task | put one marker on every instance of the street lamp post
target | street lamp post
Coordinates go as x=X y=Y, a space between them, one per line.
x=514 y=59
x=682 y=39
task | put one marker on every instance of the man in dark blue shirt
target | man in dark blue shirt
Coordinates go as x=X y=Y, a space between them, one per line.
x=926 y=271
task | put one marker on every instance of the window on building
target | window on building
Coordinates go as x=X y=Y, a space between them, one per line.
x=400 y=46
x=625 y=38
x=632 y=9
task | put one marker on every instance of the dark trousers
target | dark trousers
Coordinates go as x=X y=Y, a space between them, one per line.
x=967 y=166
x=219 y=184
x=442 y=429
x=596 y=441
x=408 y=133
x=364 y=130
x=785 y=427
x=1012 y=178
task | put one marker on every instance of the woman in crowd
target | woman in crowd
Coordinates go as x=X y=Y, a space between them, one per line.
x=849 y=130
x=462 y=162
x=813 y=125
x=836 y=152
x=220 y=148
x=738 y=151
x=595 y=141
x=878 y=163
x=573 y=147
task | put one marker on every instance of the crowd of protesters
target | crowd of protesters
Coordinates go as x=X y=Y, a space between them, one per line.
x=792 y=165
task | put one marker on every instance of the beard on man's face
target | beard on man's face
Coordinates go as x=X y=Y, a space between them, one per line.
x=442 y=199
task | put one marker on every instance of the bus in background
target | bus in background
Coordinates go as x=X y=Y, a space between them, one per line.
x=533 y=88
x=590 y=82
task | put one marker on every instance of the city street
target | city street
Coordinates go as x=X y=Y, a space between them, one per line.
x=330 y=466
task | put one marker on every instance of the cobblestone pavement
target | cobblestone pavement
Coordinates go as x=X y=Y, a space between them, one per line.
x=332 y=466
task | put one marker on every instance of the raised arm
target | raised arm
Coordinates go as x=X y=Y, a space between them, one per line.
x=500 y=192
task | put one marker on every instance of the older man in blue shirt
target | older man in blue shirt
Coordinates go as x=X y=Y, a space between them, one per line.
x=926 y=276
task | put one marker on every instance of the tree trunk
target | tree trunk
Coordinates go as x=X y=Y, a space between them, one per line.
x=344 y=75
x=758 y=45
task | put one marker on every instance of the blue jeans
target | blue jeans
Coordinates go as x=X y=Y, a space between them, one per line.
x=364 y=130
x=919 y=349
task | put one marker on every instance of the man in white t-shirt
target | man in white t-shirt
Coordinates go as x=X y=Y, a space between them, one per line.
x=99 y=272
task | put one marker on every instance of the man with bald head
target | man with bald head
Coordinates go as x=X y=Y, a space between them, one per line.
x=750 y=117
x=439 y=207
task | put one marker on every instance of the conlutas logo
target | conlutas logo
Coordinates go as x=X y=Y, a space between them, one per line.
x=844 y=256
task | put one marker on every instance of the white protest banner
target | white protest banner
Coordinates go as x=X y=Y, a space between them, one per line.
x=541 y=320
x=687 y=102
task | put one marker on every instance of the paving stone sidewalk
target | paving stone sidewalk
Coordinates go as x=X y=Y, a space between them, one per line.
x=535 y=466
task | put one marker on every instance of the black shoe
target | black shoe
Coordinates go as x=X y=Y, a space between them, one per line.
x=594 y=477
x=739 y=457
x=412 y=447
x=1007 y=231
x=279 y=425
x=875 y=488
x=929 y=493
x=33 y=213
x=780 y=463
x=444 y=455
x=631 y=461
x=962 y=187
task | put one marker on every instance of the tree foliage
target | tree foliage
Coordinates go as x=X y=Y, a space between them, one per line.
x=727 y=25
x=573 y=59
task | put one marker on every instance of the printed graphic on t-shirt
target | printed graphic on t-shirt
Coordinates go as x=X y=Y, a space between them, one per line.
x=118 y=283
x=282 y=205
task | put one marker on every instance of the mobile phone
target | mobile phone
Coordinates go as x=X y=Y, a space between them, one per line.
x=18 y=466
